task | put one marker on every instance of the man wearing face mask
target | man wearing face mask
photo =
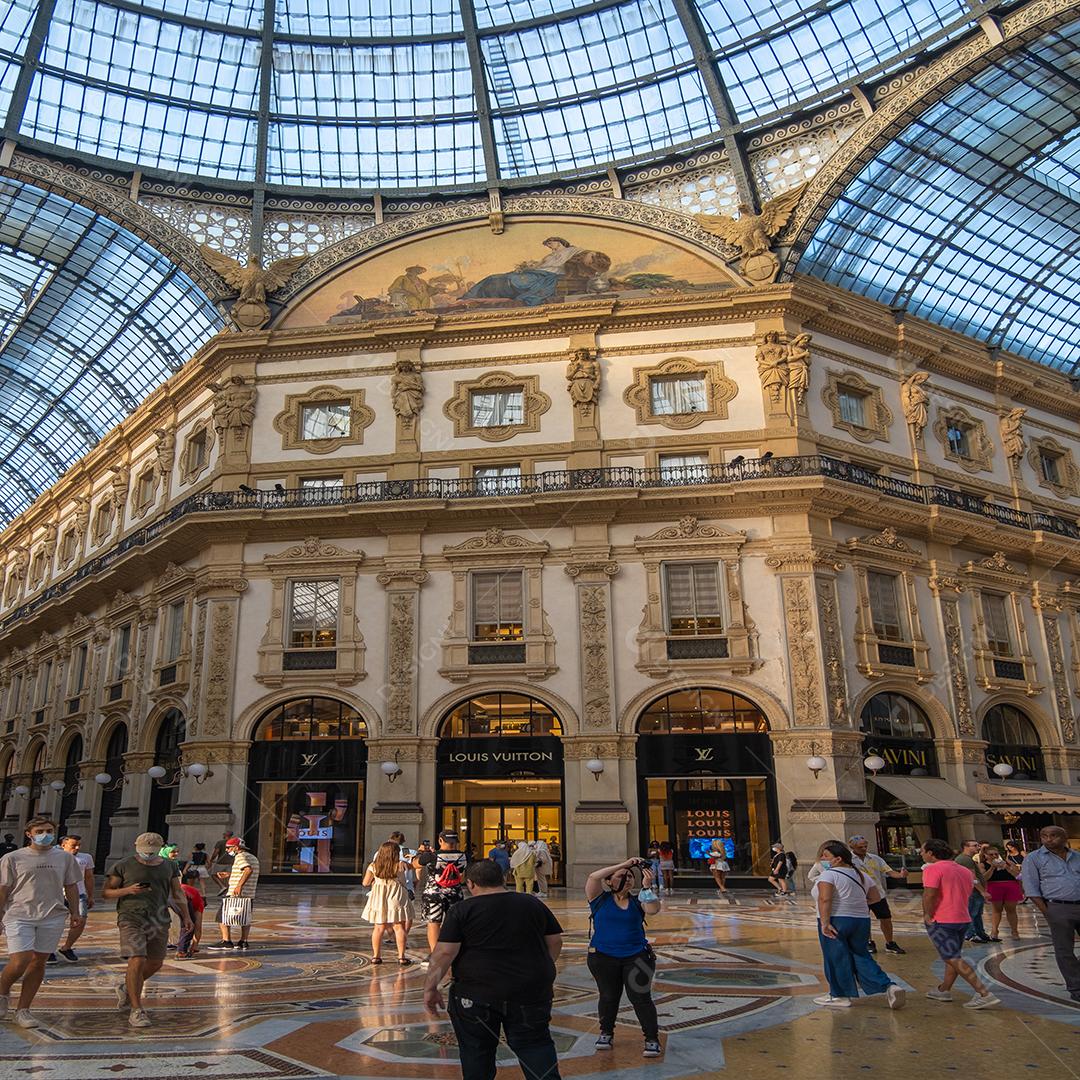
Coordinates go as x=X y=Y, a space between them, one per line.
x=145 y=888
x=34 y=882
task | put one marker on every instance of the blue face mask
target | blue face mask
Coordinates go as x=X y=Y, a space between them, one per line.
x=826 y=865
x=43 y=839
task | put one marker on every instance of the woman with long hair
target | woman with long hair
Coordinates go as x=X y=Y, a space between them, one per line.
x=1004 y=888
x=843 y=896
x=388 y=902
x=620 y=957
x=718 y=864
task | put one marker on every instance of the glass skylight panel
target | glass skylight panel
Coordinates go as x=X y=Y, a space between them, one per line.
x=503 y=12
x=367 y=18
x=16 y=17
x=594 y=52
x=239 y=14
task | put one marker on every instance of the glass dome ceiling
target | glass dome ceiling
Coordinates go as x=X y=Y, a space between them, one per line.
x=405 y=94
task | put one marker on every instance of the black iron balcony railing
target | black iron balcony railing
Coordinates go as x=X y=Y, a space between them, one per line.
x=550 y=483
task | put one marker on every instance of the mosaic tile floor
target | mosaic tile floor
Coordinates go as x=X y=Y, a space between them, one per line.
x=735 y=993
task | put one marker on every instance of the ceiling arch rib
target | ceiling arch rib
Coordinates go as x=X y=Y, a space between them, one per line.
x=970 y=216
x=94 y=319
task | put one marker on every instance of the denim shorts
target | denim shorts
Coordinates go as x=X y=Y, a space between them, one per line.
x=948 y=938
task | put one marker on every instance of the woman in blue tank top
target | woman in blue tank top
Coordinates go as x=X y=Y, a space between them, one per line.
x=619 y=954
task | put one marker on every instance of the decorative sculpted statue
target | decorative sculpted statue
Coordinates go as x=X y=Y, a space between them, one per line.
x=914 y=400
x=234 y=406
x=1012 y=436
x=253 y=282
x=772 y=357
x=798 y=367
x=583 y=378
x=407 y=389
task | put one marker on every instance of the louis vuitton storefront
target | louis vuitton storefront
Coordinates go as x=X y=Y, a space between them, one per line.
x=705 y=772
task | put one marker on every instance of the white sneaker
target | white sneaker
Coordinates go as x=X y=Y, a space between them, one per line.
x=25 y=1018
x=896 y=996
x=121 y=996
x=139 y=1019
x=982 y=1001
x=939 y=995
x=4 y=1005
x=833 y=1002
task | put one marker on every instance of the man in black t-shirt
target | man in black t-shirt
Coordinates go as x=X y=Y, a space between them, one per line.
x=502 y=947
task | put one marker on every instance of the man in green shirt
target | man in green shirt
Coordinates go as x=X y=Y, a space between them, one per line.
x=146 y=888
x=977 y=901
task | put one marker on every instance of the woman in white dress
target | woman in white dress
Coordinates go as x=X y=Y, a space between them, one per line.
x=388 y=902
x=718 y=864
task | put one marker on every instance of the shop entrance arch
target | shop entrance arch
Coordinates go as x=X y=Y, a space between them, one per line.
x=500 y=774
x=172 y=731
x=306 y=774
x=705 y=773
x=112 y=793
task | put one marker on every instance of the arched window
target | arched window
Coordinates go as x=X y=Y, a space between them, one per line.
x=71 y=780
x=311 y=719
x=702 y=711
x=499 y=715
x=172 y=731
x=1005 y=725
x=892 y=716
x=115 y=751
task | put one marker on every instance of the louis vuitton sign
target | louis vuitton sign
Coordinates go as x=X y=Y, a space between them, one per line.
x=480 y=758
x=704 y=755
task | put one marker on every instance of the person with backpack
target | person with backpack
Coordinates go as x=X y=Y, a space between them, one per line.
x=523 y=867
x=445 y=885
x=620 y=956
x=792 y=865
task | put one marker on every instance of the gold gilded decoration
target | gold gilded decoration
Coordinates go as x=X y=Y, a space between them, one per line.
x=719 y=390
x=401 y=662
x=289 y=422
x=253 y=283
x=407 y=389
x=595 y=678
x=954 y=646
x=1062 y=698
x=583 y=381
x=752 y=234
x=832 y=640
x=459 y=408
x=1012 y=435
x=876 y=416
x=803 y=652
x=914 y=400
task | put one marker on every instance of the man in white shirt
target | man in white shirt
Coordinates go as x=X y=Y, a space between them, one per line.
x=236 y=905
x=72 y=845
x=877 y=870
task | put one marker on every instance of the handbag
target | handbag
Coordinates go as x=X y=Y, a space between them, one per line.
x=235 y=911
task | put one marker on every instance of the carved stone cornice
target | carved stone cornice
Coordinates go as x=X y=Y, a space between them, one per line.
x=885 y=541
x=960 y=752
x=220 y=584
x=495 y=542
x=592 y=570
x=802 y=560
x=828 y=743
x=996 y=567
x=401 y=576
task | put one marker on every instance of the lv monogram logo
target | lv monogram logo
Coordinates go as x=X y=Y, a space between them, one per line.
x=704 y=753
x=307 y=760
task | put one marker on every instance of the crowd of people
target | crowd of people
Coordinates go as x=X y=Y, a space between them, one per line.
x=500 y=948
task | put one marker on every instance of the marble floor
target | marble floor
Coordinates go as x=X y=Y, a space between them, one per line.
x=735 y=992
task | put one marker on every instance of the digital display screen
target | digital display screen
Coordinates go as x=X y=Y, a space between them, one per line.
x=701 y=846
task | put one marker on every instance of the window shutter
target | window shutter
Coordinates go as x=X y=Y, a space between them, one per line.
x=510 y=606
x=883 y=605
x=997 y=622
x=706 y=590
x=680 y=591
x=485 y=598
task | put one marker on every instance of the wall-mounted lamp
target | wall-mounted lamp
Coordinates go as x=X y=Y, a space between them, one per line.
x=391 y=769
x=875 y=763
x=197 y=771
x=1003 y=769
x=594 y=764
x=108 y=783
x=816 y=762
x=22 y=790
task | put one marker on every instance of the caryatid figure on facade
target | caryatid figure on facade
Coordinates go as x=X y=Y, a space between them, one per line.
x=583 y=378
x=772 y=357
x=1012 y=436
x=914 y=401
x=407 y=389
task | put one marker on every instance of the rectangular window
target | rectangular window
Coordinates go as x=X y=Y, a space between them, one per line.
x=671 y=395
x=497 y=605
x=122 y=658
x=1050 y=465
x=104 y=519
x=67 y=546
x=313 y=614
x=852 y=406
x=497 y=479
x=497 y=408
x=174 y=630
x=197 y=451
x=325 y=420
x=681 y=468
x=693 y=598
x=957 y=434
x=996 y=616
x=884 y=606
x=145 y=493
x=44 y=680
x=78 y=669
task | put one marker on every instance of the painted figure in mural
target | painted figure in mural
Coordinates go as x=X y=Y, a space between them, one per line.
x=537 y=282
x=410 y=292
x=914 y=400
x=772 y=365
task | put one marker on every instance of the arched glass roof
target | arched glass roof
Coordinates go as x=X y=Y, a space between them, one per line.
x=971 y=217
x=406 y=94
x=91 y=320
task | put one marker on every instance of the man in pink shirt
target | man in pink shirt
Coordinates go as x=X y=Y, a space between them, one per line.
x=946 y=888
